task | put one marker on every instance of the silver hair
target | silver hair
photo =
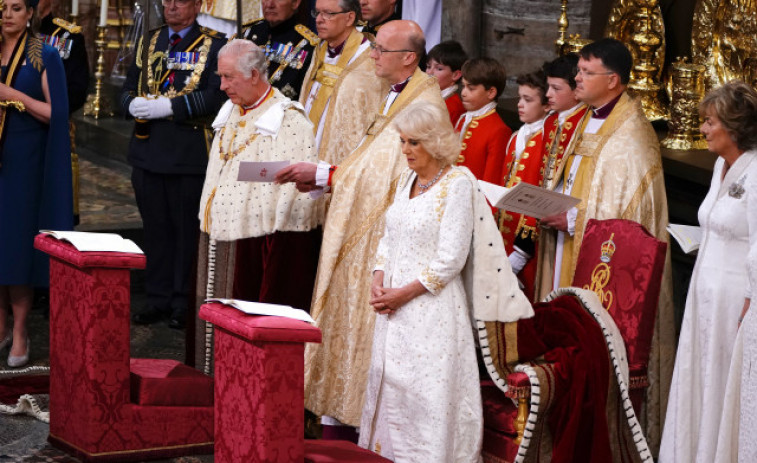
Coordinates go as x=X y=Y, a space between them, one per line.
x=249 y=57
x=430 y=125
x=351 y=5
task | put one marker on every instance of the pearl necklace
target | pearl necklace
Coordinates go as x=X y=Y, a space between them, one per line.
x=423 y=188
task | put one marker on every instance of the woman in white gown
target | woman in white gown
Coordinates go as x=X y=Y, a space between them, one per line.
x=719 y=284
x=737 y=440
x=423 y=402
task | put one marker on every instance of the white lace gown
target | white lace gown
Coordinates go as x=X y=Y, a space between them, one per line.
x=728 y=217
x=423 y=401
x=737 y=440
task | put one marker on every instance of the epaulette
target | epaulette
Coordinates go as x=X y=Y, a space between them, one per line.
x=254 y=22
x=72 y=28
x=308 y=34
x=211 y=32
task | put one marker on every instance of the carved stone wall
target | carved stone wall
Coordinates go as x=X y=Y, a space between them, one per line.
x=521 y=34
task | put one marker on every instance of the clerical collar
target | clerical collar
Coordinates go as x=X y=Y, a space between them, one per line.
x=447 y=92
x=336 y=51
x=605 y=110
x=245 y=109
x=564 y=114
x=398 y=87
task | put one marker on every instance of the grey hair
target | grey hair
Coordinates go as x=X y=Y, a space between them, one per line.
x=430 y=125
x=249 y=57
x=351 y=5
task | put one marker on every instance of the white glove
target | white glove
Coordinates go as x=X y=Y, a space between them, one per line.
x=159 y=108
x=138 y=107
x=518 y=259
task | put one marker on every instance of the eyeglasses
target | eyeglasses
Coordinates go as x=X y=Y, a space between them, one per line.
x=177 y=2
x=327 y=15
x=583 y=73
x=381 y=50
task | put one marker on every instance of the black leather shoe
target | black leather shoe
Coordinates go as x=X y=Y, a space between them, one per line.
x=177 y=321
x=148 y=316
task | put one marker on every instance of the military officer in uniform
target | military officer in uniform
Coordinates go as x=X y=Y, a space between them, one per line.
x=288 y=45
x=169 y=150
x=67 y=38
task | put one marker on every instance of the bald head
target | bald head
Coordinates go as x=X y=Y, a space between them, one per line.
x=398 y=49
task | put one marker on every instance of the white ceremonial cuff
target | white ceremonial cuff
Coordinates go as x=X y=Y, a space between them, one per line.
x=322 y=174
x=518 y=259
x=571 y=217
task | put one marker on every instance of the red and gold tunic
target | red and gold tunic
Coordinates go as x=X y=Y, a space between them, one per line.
x=454 y=107
x=559 y=139
x=484 y=146
x=529 y=168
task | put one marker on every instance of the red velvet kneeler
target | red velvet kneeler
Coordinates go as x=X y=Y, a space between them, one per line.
x=339 y=451
x=91 y=415
x=259 y=385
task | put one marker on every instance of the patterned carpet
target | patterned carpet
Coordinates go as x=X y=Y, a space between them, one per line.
x=106 y=203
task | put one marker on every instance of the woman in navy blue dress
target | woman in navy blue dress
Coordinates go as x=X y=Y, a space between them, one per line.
x=35 y=168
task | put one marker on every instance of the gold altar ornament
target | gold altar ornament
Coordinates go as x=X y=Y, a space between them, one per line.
x=639 y=24
x=688 y=91
x=573 y=43
x=96 y=105
x=724 y=38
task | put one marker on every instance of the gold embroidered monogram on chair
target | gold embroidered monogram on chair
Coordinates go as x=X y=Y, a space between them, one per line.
x=602 y=273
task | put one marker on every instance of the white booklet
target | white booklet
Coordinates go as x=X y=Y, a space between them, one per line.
x=688 y=236
x=527 y=199
x=260 y=308
x=98 y=242
x=264 y=171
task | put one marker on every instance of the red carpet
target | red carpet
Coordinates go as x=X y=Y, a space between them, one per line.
x=12 y=388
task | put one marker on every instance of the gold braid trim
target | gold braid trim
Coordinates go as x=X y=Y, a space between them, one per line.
x=70 y=27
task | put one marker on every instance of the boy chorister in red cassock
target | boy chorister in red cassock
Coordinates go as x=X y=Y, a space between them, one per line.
x=567 y=112
x=445 y=62
x=483 y=133
x=525 y=163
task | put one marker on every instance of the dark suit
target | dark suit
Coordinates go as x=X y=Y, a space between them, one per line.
x=169 y=170
x=271 y=39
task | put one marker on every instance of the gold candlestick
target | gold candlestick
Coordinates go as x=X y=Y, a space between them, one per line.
x=96 y=105
x=688 y=90
x=562 y=27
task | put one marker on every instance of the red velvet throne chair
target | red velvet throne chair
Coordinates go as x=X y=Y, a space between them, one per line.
x=622 y=264
x=105 y=406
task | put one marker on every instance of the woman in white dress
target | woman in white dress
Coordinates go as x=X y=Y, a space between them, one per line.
x=719 y=284
x=423 y=400
x=737 y=440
